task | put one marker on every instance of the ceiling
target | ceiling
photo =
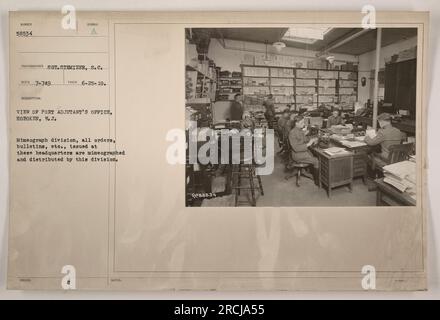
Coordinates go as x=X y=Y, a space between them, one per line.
x=364 y=43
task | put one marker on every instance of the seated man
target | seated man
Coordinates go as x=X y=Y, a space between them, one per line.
x=335 y=118
x=323 y=109
x=386 y=136
x=300 y=143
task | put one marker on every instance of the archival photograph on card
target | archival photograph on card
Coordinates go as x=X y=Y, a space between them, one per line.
x=218 y=151
x=301 y=116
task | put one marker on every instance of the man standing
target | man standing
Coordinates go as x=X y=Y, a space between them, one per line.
x=282 y=121
x=269 y=112
x=236 y=108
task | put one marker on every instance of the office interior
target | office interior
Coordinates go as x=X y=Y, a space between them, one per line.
x=340 y=101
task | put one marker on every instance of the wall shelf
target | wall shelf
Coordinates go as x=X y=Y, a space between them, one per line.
x=224 y=83
x=200 y=72
x=299 y=78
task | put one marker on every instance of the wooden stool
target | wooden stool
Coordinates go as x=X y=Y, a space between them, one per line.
x=246 y=171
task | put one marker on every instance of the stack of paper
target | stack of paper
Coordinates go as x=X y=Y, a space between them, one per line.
x=401 y=175
x=341 y=129
x=352 y=144
x=335 y=151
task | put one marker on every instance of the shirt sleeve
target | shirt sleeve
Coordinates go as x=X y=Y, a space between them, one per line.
x=379 y=138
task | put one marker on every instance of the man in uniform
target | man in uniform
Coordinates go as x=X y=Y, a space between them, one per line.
x=281 y=125
x=386 y=136
x=300 y=143
x=334 y=119
x=269 y=112
x=236 y=108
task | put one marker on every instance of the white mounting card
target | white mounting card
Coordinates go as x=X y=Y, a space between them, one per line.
x=94 y=200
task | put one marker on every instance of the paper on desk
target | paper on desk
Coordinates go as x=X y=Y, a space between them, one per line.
x=335 y=150
x=403 y=169
x=399 y=185
x=353 y=144
x=401 y=175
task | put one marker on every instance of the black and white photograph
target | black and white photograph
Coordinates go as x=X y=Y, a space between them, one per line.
x=300 y=116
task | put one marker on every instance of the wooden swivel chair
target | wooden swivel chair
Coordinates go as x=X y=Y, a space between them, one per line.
x=299 y=166
x=397 y=153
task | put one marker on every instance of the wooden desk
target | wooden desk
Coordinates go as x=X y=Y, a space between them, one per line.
x=360 y=158
x=387 y=195
x=335 y=171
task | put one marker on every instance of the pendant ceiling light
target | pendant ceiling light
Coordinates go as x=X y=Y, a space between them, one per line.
x=330 y=59
x=279 y=46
